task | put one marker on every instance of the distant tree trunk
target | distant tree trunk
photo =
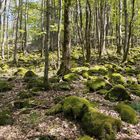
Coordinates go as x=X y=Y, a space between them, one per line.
x=59 y=33
x=119 y=28
x=127 y=45
x=42 y=28
x=87 y=31
x=26 y=28
x=4 y=32
x=47 y=44
x=15 y=60
x=65 y=63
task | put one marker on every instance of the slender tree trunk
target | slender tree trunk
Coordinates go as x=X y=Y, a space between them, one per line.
x=47 y=41
x=59 y=34
x=65 y=62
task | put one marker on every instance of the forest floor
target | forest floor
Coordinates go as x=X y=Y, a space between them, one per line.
x=32 y=123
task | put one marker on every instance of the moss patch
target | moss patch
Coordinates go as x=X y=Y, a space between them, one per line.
x=98 y=69
x=127 y=113
x=20 y=72
x=5 y=117
x=5 y=86
x=118 y=93
x=101 y=126
x=85 y=138
x=96 y=84
x=74 y=106
x=117 y=78
x=135 y=89
x=71 y=77
x=29 y=75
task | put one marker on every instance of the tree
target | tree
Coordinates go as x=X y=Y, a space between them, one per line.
x=65 y=62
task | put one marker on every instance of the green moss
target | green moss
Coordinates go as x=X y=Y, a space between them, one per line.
x=118 y=93
x=4 y=67
x=135 y=89
x=85 y=74
x=138 y=78
x=20 y=72
x=130 y=70
x=127 y=113
x=117 y=78
x=5 y=86
x=26 y=94
x=99 y=125
x=131 y=80
x=74 y=106
x=36 y=84
x=101 y=70
x=135 y=106
x=54 y=110
x=71 y=77
x=29 y=75
x=96 y=84
x=85 y=138
x=62 y=86
x=79 y=70
x=19 y=104
x=102 y=92
x=5 y=117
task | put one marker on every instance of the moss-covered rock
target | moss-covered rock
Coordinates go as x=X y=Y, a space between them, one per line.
x=85 y=138
x=36 y=84
x=93 y=122
x=74 y=106
x=118 y=93
x=5 y=86
x=131 y=80
x=99 y=125
x=79 y=70
x=96 y=84
x=98 y=69
x=20 y=72
x=127 y=113
x=135 y=89
x=117 y=78
x=6 y=117
x=85 y=74
x=130 y=70
x=102 y=91
x=71 y=77
x=55 y=109
x=29 y=75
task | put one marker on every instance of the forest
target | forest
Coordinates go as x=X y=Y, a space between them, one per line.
x=69 y=69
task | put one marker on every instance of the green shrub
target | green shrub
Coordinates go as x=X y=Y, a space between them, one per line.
x=127 y=113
